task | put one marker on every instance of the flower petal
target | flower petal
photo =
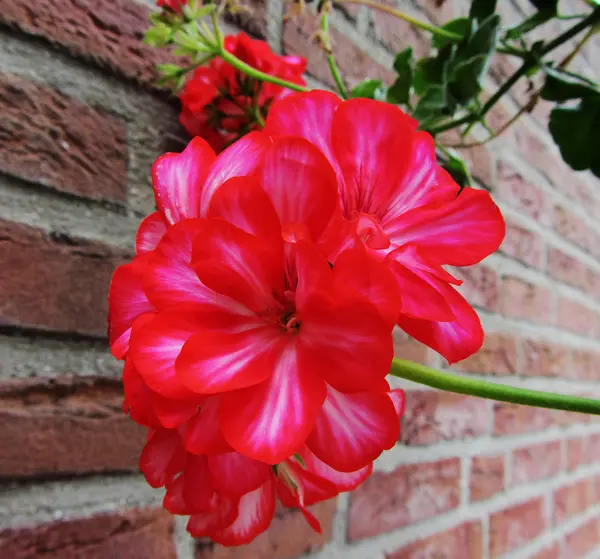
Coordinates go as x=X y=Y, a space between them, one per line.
x=203 y=435
x=255 y=512
x=139 y=397
x=223 y=512
x=234 y=474
x=178 y=180
x=270 y=421
x=455 y=340
x=301 y=184
x=150 y=232
x=344 y=481
x=354 y=429
x=198 y=489
x=163 y=457
x=397 y=397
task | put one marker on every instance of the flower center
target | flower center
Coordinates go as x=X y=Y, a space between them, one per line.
x=370 y=232
x=290 y=323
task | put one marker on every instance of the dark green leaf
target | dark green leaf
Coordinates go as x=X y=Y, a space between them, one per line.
x=547 y=9
x=546 y=5
x=561 y=86
x=370 y=89
x=431 y=104
x=575 y=131
x=399 y=92
x=458 y=170
x=481 y=9
x=432 y=70
x=460 y=26
x=465 y=79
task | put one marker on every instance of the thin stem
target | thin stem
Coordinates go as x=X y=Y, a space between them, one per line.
x=215 y=22
x=405 y=17
x=484 y=389
x=326 y=39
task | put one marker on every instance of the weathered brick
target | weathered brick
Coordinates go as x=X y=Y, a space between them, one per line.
x=574 y=499
x=60 y=142
x=253 y=20
x=487 y=476
x=582 y=540
x=535 y=462
x=67 y=425
x=523 y=245
x=548 y=553
x=355 y=65
x=406 y=347
x=106 y=33
x=497 y=356
x=585 y=365
x=512 y=527
x=572 y=227
x=577 y=317
x=409 y=494
x=464 y=541
x=512 y=419
x=432 y=416
x=478 y=158
x=522 y=194
x=566 y=268
x=480 y=285
x=289 y=536
x=54 y=283
x=135 y=534
x=575 y=453
x=545 y=359
x=592 y=449
x=521 y=299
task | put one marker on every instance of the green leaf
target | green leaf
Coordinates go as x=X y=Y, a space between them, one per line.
x=369 y=89
x=458 y=169
x=481 y=9
x=546 y=5
x=547 y=9
x=562 y=86
x=460 y=26
x=158 y=36
x=466 y=77
x=575 y=131
x=399 y=92
x=168 y=70
x=431 y=104
x=432 y=70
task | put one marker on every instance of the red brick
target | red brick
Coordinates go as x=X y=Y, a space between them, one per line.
x=592 y=449
x=60 y=142
x=572 y=227
x=136 y=534
x=513 y=419
x=548 y=553
x=106 y=33
x=431 y=417
x=464 y=541
x=535 y=462
x=573 y=499
x=397 y=35
x=478 y=158
x=545 y=359
x=406 y=347
x=289 y=536
x=515 y=526
x=577 y=317
x=566 y=268
x=480 y=286
x=66 y=426
x=409 y=494
x=522 y=194
x=54 y=283
x=497 y=356
x=487 y=476
x=582 y=540
x=585 y=365
x=355 y=65
x=521 y=299
x=441 y=12
x=523 y=245
x=575 y=453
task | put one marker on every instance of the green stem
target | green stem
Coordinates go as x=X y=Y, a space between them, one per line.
x=405 y=17
x=484 y=389
x=330 y=58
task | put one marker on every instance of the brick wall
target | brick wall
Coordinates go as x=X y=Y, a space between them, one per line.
x=469 y=479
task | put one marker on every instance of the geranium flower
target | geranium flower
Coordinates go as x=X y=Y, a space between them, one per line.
x=174 y=5
x=220 y=104
x=402 y=207
x=241 y=303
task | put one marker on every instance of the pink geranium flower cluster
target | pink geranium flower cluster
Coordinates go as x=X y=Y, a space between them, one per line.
x=256 y=319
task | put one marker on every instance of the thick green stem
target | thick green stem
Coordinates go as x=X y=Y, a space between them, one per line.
x=451 y=382
x=325 y=37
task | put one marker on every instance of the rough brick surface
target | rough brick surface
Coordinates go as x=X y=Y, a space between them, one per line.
x=522 y=299
x=66 y=426
x=512 y=419
x=59 y=142
x=288 y=537
x=137 y=534
x=480 y=286
x=497 y=356
x=409 y=494
x=464 y=541
x=108 y=33
x=54 y=283
x=582 y=540
x=487 y=476
x=577 y=317
x=535 y=462
x=574 y=499
x=545 y=359
x=523 y=245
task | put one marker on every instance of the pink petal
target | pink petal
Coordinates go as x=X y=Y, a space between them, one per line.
x=349 y=345
x=270 y=421
x=139 y=397
x=242 y=202
x=455 y=340
x=311 y=488
x=344 y=481
x=234 y=474
x=255 y=513
x=150 y=232
x=156 y=344
x=398 y=399
x=173 y=499
x=238 y=160
x=163 y=457
x=178 y=180
x=223 y=512
x=203 y=435
x=173 y=413
x=312 y=269
x=354 y=429
x=301 y=184
x=198 y=489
